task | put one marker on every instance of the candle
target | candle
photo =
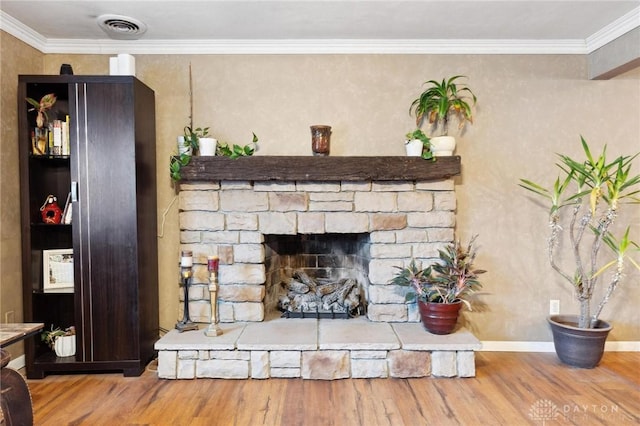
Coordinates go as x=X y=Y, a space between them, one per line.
x=212 y=263
x=186 y=259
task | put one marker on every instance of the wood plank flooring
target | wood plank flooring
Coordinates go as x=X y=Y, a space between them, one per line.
x=509 y=389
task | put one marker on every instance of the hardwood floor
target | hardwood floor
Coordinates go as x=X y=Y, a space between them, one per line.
x=509 y=389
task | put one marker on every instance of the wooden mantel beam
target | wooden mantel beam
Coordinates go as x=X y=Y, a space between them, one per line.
x=308 y=168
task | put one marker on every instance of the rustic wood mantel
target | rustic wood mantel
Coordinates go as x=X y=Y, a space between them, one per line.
x=308 y=168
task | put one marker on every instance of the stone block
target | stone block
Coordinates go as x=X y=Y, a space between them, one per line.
x=188 y=354
x=244 y=201
x=387 y=312
x=356 y=186
x=369 y=368
x=221 y=237
x=198 y=200
x=440 y=185
x=167 y=364
x=200 y=186
x=381 y=271
x=444 y=364
x=225 y=312
x=318 y=186
x=375 y=202
x=331 y=196
x=274 y=186
x=415 y=201
x=345 y=223
x=225 y=253
x=242 y=273
x=260 y=365
x=412 y=235
x=248 y=253
x=288 y=201
x=187 y=237
x=466 y=363
x=285 y=373
x=199 y=311
x=399 y=186
x=285 y=359
x=237 y=355
x=403 y=364
x=242 y=222
x=325 y=365
x=390 y=251
x=248 y=311
x=311 y=223
x=278 y=223
x=223 y=369
x=384 y=294
x=251 y=237
x=388 y=221
x=433 y=219
x=382 y=237
x=330 y=206
x=231 y=185
x=445 y=201
x=199 y=220
x=186 y=369
x=368 y=354
x=440 y=235
x=241 y=293
x=427 y=250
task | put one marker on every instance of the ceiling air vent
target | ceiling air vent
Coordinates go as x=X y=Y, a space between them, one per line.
x=121 y=27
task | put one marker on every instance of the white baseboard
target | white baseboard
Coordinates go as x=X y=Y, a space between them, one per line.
x=17 y=363
x=514 y=346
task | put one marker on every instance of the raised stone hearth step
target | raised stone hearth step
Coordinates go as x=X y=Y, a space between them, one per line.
x=316 y=349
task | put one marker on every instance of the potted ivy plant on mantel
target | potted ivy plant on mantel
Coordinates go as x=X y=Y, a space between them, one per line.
x=417 y=144
x=585 y=200
x=438 y=104
x=442 y=288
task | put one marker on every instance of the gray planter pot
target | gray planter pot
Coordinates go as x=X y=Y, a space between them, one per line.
x=578 y=347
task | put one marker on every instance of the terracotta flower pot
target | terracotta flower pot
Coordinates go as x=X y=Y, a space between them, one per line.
x=578 y=347
x=439 y=318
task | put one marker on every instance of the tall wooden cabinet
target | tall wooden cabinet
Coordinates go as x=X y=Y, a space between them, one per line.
x=109 y=176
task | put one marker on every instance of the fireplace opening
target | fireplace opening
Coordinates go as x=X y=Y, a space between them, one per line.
x=317 y=275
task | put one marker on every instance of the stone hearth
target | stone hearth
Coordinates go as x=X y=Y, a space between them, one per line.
x=316 y=349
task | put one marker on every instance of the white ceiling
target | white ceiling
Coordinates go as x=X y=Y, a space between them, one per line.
x=230 y=26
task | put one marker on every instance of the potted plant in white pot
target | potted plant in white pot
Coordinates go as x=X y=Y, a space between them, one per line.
x=439 y=103
x=417 y=144
x=584 y=202
x=442 y=288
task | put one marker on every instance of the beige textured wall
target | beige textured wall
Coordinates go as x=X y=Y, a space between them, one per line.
x=530 y=107
x=16 y=58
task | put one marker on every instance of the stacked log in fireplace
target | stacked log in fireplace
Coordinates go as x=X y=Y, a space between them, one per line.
x=308 y=297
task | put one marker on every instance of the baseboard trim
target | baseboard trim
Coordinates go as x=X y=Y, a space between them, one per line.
x=515 y=346
x=17 y=363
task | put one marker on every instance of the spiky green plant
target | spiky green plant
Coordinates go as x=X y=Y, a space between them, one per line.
x=590 y=192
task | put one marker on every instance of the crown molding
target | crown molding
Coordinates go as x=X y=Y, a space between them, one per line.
x=616 y=29
x=441 y=47
x=20 y=31
x=251 y=47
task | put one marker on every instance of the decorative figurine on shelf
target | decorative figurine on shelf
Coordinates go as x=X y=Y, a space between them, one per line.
x=212 y=265
x=186 y=265
x=51 y=211
x=40 y=135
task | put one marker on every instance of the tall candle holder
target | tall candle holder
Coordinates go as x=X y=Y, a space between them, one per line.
x=186 y=272
x=212 y=265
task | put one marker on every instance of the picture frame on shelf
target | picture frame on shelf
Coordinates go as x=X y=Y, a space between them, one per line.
x=57 y=268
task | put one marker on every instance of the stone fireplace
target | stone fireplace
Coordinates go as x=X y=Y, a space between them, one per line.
x=336 y=218
x=401 y=220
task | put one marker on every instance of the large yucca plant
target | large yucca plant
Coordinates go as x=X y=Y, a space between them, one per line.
x=589 y=194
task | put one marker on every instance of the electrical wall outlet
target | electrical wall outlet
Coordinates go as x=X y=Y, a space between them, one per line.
x=554 y=307
x=9 y=317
